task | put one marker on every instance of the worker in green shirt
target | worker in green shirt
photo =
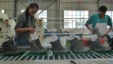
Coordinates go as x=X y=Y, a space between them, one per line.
x=100 y=21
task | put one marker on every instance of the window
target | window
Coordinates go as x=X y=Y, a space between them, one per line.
x=110 y=13
x=22 y=11
x=75 y=18
x=42 y=15
x=2 y=11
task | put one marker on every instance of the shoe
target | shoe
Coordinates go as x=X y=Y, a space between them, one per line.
x=34 y=48
x=96 y=46
x=77 y=46
x=58 y=48
x=39 y=45
x=10 y=48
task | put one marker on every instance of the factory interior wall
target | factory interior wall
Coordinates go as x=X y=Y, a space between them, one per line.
x=53 y=10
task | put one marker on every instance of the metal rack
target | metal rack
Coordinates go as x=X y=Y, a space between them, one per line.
x=67 y=56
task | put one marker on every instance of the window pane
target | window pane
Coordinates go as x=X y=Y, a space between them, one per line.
x=22 y=11
x=110 y=13
x=2 y=11
x=77 y=18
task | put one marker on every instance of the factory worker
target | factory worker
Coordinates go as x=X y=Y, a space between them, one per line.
x=26 y=22
x=25 y=26
x=100 y=21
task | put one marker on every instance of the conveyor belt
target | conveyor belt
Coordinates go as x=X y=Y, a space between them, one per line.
x=28 y=56
x=63 y=34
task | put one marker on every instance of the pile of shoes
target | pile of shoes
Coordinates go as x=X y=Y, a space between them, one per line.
x=10 y=48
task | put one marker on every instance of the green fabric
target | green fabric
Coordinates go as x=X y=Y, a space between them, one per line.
x=68 y=43
x=96 y=18
x=88 y=52
x=14 y=54
x=33 y=54
x=106 y=52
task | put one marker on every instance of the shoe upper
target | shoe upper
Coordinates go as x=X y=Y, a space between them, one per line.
x=77 y=46
x=96 y=46
x=58 y=48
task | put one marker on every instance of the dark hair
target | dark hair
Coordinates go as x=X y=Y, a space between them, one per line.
x=32 y=5
x=103 y=8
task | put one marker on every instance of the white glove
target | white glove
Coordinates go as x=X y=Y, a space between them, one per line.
x=34 y=36
x=93 y=37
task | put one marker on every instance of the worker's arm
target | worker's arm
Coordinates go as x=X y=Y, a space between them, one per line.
x=21 y=30
x=88 y=22
x=89 y=29
x=19 y=25
x=109 y=23
x=110 y=28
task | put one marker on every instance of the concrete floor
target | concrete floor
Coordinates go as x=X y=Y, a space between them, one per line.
x=81 y=61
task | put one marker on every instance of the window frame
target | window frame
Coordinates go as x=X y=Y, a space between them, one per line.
x=74 y=16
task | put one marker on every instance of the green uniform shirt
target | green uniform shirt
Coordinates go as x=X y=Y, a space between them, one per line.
x=96 y=18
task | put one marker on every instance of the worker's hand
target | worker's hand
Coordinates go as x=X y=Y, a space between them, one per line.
x=31 y=29
x=93 y=32
x=106 y=33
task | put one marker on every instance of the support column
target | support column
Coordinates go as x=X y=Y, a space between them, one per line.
x=14 y=8
x=98 y=4
x=57 y=15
